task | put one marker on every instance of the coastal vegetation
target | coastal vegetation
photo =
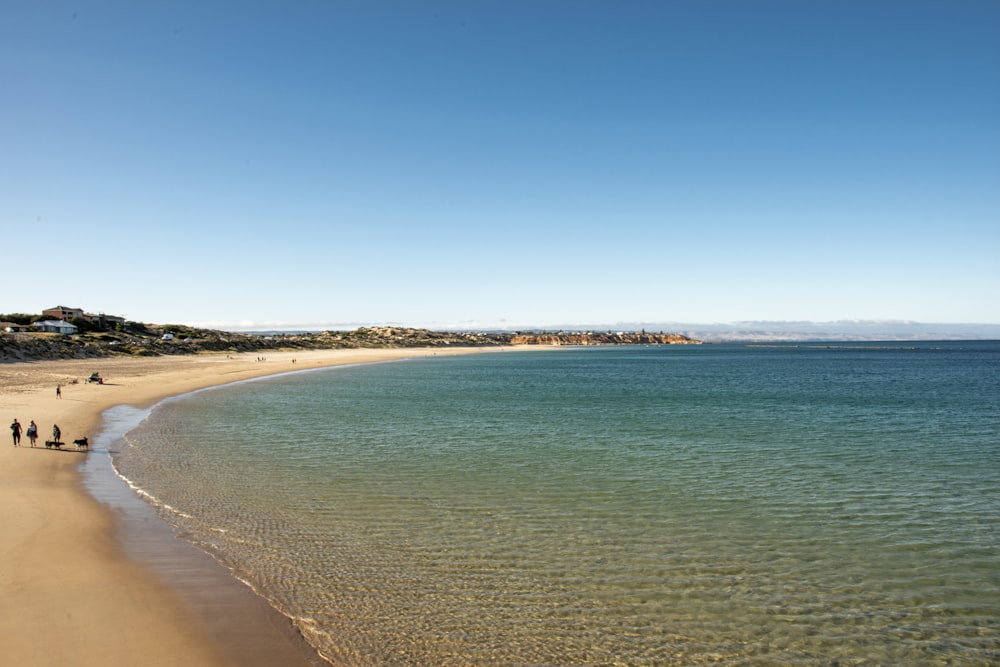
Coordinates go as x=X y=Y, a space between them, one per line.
x=139 y=339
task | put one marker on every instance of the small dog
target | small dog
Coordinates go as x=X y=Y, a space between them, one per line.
x=54 y=443
x=82 y=443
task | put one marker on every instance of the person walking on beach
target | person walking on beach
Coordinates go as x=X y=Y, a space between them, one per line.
x=32 y=432
x=58 y=391
x=15 y=430
x=56 y=433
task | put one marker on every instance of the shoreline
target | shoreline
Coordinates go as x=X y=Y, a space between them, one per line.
x=76 y=586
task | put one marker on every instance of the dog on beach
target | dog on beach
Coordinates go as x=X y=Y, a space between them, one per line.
x=81 y=443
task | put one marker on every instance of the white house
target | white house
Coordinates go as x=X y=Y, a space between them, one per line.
x=55 y=326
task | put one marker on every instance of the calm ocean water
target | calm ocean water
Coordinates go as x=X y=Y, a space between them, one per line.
x=684 y=505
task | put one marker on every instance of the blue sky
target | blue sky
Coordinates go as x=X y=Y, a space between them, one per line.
x=453 y=164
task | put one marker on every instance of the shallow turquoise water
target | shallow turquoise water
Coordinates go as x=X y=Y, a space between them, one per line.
x=662 y=505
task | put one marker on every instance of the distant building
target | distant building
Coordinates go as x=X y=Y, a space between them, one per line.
x=101 y=320
x=106 y=321
x=11 y=327
x=55 y=326
x=63 y=313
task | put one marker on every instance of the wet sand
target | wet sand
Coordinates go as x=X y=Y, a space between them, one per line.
x=105 y=583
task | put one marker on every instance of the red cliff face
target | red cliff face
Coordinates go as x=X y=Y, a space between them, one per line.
x=601 y=339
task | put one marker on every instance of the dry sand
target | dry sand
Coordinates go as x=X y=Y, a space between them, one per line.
x=69 y=594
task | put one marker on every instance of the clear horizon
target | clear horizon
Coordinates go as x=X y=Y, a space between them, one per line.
x=496 y=164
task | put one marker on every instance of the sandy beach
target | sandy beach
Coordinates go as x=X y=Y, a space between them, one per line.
x=69 y=594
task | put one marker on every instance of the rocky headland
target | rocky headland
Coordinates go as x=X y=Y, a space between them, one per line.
x=591 y=338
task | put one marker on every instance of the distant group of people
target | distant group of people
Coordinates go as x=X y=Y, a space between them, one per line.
x=32 y=432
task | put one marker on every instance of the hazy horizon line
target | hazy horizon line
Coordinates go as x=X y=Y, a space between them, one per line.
x=742 y=328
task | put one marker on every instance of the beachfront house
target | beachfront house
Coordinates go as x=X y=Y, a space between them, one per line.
x=62 y=313
x=100 y=320
x=55 y=326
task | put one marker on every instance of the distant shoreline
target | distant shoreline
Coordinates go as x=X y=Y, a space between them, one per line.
x=148 y=341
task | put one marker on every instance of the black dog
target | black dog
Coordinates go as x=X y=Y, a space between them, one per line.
x=54 y=443
x=82 y=443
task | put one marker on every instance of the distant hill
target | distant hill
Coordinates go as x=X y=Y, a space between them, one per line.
x=853 y=330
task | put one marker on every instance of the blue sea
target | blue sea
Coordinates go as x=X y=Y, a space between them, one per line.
x=827 y=504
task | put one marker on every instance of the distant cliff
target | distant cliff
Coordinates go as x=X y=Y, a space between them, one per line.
x=591 y=338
